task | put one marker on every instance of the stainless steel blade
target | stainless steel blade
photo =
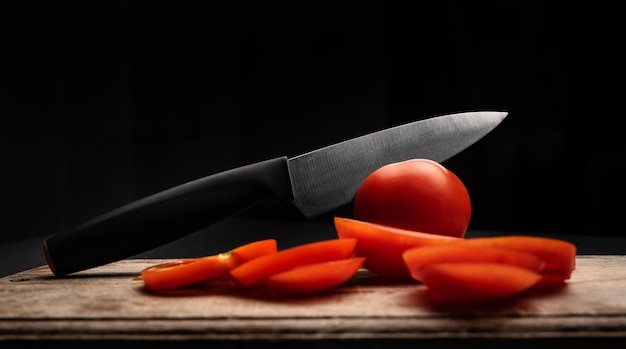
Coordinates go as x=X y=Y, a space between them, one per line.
x=328 y=178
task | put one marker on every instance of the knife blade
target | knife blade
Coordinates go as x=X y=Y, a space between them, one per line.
x=315 y=183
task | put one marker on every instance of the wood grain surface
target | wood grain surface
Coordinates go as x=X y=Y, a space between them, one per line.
x=108 y=303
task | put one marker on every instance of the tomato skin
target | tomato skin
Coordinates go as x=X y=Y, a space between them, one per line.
x=417 y=194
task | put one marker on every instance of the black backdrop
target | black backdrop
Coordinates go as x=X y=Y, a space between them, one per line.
x=104 y=102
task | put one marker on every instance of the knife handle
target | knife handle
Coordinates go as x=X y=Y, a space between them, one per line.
x=166 y=216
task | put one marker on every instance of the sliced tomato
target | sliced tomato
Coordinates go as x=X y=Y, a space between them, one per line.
x=475 y=282
x=253 y=271
x=420 y=257
x=314 y=277
x=559 y=255
x=383 y=245
x=188 y=271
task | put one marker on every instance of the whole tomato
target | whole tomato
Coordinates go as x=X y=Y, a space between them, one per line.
x=418 y=194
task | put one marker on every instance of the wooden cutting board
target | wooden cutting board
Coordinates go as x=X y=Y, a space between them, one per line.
x=108 y=303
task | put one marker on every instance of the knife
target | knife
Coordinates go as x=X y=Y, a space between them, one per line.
x=315 y=183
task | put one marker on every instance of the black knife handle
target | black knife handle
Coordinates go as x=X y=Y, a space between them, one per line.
x=166 y=216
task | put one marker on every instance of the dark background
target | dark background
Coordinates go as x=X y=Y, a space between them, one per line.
x=104 y=102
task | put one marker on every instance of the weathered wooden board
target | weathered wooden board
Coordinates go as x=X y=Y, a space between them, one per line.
x=108 y=303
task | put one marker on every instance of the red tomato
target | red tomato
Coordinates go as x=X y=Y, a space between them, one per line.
x=417 y=194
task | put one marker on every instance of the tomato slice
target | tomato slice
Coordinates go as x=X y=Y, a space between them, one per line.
x=420 y=257
x=314 y=277
x=253 y=271
x=475 y=282
x=188 y=271
x=559 y=255
x=383 y=245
